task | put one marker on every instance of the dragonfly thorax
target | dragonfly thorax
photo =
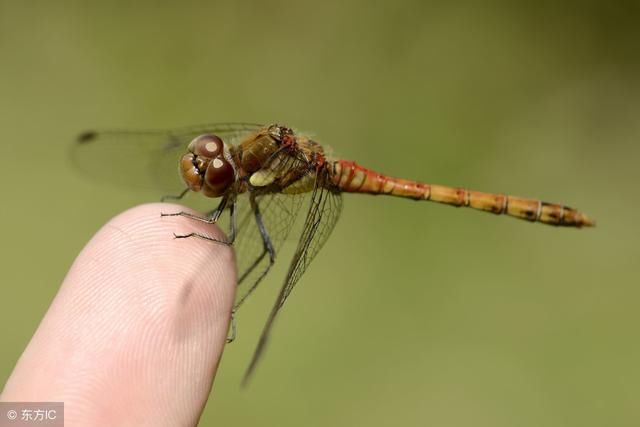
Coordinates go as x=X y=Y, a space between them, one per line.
x=208 y=166
x=257 y=150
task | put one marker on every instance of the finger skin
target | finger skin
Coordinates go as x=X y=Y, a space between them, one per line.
x=136 y=331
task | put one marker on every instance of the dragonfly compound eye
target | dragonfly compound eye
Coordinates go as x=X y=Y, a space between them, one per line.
x=192 y=171
x=208 y=146
x=219 y=176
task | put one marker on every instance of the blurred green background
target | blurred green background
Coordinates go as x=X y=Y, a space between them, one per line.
x=414 y=313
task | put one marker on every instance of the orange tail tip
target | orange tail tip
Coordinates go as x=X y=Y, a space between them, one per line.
x=586 y=221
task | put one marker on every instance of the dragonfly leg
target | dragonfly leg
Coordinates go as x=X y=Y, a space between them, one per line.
x=268 y=246
x=258 y=280
x=211 y=218
x=206 y=219
x=233 y=223
x=174 y=197
x=233 y=328
x=267 y=249
x=201 y=236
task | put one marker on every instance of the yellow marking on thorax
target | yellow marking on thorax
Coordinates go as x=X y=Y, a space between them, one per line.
x=266 y=175
x=262 y=178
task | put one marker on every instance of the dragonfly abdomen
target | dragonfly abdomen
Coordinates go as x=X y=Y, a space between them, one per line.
x=353 y=178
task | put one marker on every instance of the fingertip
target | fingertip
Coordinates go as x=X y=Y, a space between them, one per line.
x=140 y=251
x=141 y=316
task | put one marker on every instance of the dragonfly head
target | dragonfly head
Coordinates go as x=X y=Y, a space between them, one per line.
x=208 y=166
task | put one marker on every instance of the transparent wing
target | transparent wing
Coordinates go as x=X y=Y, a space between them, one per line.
x=278 y=213
x=264 y=225
x=144 y=159
x=323 y=213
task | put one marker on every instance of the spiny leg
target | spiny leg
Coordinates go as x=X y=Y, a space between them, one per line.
x=210 y=218
x=267 y=249
x=233 y=223
x=201 y=236
x=233 y=328
x=176 y=197
x=253 y=266
x=215 y=216
x=249 y=270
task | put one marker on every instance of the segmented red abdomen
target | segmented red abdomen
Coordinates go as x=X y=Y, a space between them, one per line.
x=353 y=178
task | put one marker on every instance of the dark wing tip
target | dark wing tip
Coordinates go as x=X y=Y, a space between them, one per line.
x=87 y=136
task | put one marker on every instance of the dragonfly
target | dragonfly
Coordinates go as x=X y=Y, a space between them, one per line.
x=264 y=177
